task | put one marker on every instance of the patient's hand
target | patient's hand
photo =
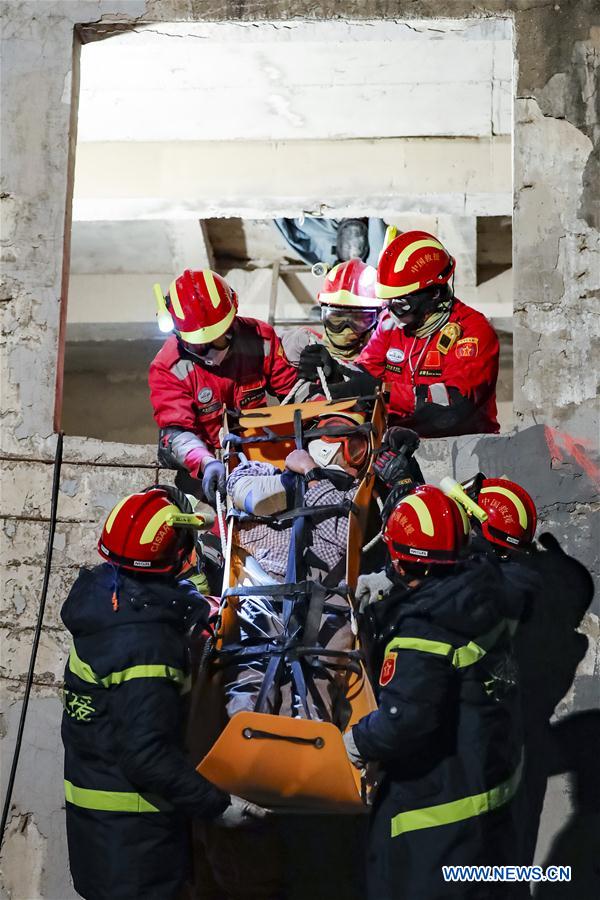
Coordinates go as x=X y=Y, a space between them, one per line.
x=300 y=461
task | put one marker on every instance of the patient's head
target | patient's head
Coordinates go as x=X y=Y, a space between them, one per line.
x=340 y=443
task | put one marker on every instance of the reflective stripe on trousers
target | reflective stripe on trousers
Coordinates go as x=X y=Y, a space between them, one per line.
x=458 y=810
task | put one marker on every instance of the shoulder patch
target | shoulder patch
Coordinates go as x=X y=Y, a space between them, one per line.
x=388 y=668
x=468 y=346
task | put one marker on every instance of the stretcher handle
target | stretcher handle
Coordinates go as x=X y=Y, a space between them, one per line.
x=250 y=733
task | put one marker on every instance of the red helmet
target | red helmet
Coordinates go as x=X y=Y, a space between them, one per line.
x=426 y=527
x=354 y=445
x=202 y=306
x=413 y=261
x=350 y=284
x=138 y=536
x=512 y=516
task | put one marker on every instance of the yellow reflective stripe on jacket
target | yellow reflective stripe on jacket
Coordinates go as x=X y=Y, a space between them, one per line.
x=458 y=810
x=109 y=801
x=82 y=669
x=148 y=671
x=86 y=673
x=461 y=657
x=409 y=643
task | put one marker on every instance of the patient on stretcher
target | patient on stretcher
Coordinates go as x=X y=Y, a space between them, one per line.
x=311 y=685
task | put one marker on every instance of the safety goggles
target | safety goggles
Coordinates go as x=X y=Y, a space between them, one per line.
x=410 y=303
x=337 y=319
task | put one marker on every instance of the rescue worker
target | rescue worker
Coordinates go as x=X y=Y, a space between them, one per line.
x=215 y=358
x=349 y=314
x=128 y=785
x=437 y=356
x=446 y=732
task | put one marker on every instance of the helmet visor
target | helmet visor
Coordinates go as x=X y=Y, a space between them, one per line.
x=337 y=318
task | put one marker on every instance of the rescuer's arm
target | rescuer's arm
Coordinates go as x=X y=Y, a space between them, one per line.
x=179 y=446
x=173 y=404
x=281 y=375
x=413 y=701
x=470 y=373
x=145 y=714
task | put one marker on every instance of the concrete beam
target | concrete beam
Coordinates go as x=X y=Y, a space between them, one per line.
x=190 y=245
x=168 y=180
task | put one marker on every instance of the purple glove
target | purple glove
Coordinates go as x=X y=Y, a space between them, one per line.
x=213 y=480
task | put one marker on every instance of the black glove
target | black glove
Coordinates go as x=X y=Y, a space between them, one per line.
x=393 y=462
x=213 y=480
x=316 y=356
x=359 y=384
x=398 y=437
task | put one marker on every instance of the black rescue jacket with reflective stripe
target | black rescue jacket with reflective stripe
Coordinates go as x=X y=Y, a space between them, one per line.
x=128 y=783
x=447 y=733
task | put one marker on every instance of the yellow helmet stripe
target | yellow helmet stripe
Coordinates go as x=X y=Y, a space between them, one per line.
x=158 y=519
x=210 y=332
x=333 y=272
x=347 y=298
x=391 y=233
x=416 y=245
x=111 y=519
x=384 y=292
x=175 y=301
x=513 y=498
x=213 y=291
x=464 y=517
x=423 y=514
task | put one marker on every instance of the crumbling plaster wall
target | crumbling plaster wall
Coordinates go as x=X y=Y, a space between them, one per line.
x=557 y=278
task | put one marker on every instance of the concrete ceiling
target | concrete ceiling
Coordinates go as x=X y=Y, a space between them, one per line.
x=297 y=81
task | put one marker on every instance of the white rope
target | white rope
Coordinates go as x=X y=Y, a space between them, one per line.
x=372 y=542
x=324 y=384
x=291 y=393
x=221 y=522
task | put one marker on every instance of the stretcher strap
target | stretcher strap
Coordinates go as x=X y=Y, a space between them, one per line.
x=315 y=613
x=300 y=588
x=311 y=434
x=234 y=653
x=318 y=513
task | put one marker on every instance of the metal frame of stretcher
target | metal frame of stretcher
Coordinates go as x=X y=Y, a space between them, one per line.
x=276 y=760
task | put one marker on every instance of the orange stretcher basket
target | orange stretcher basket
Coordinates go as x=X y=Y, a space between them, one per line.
x=275 y=760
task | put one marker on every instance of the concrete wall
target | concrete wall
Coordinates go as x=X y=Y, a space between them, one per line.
x=557 y=278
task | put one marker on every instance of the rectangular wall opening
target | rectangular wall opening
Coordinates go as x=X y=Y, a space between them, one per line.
x=193 y=138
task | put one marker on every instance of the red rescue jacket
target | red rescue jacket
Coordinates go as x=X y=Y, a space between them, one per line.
x=186 y=394
x=417 y=369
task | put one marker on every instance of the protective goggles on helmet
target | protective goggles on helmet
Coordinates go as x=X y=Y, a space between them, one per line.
x=419 y=301
x=336 y=319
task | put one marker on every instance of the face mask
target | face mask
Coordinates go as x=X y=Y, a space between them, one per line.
x=323 y=451
x=207 y=354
